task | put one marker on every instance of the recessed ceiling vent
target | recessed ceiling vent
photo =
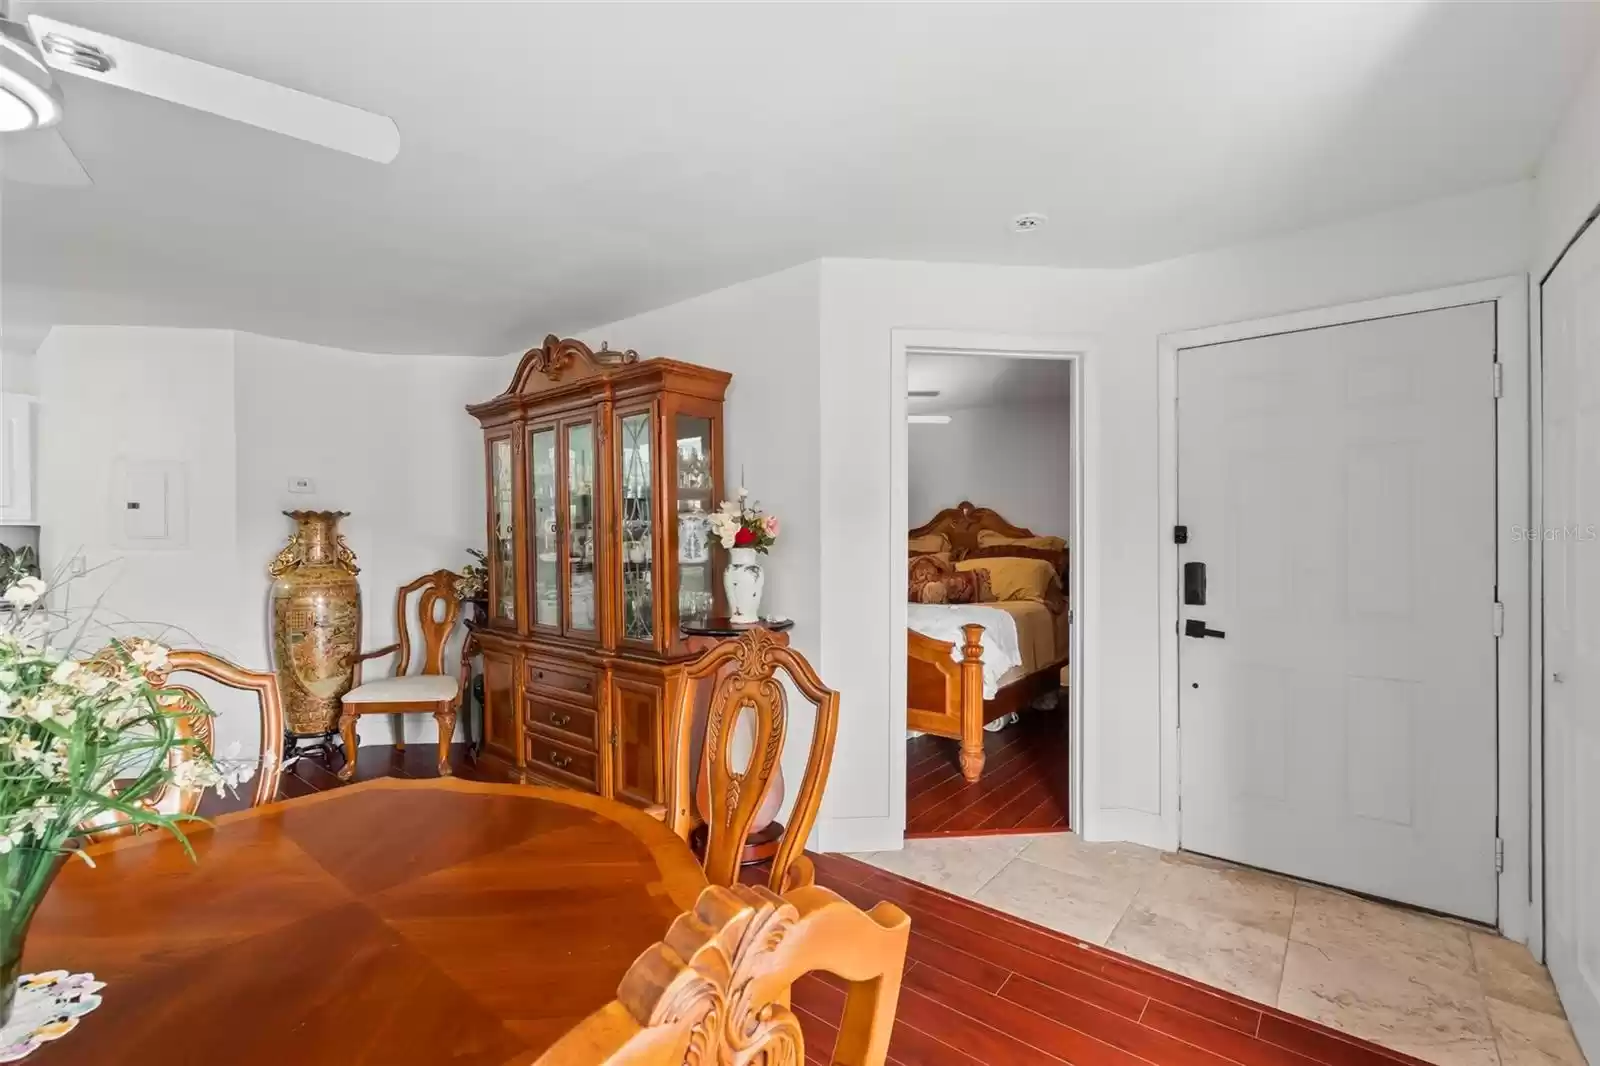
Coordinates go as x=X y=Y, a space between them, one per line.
x=1028 y=223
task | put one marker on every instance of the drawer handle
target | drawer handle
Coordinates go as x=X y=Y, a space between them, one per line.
x=539 y=674
x=560 y=761
x=558 y=719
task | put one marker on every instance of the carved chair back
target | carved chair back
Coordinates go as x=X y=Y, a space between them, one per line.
x=438 y=607
x=716 y=990
x=198 y=724
x=746 y=686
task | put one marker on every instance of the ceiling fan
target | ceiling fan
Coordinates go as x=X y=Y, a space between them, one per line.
x=32 y=106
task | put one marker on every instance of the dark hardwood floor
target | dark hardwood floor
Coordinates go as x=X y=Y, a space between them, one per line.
x=1023 y=790
x=985 y=989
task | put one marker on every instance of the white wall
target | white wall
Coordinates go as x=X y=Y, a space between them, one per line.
x=1122 y=313
x=1567 y=189
x=764 y=332
x=1014 y=458
x=384 y=437
x=110 y=395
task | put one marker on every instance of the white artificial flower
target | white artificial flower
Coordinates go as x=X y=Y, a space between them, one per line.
x=90 y=683
x=26 y=749
x=25 y=593
x=743 y=492
x=730 y=508
x=40 y=710
x=148 y=655
x=64 y=671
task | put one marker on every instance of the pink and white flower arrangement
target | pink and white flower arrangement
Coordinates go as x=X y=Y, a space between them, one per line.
x=741 y=523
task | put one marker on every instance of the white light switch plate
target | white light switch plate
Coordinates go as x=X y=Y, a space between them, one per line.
x=302 y=484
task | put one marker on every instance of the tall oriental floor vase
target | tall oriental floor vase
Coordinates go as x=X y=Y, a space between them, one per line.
x=316 y=623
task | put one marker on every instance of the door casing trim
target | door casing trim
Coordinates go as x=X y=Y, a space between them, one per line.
x=1520 y=778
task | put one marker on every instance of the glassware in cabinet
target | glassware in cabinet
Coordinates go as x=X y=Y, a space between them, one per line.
x=503 y=510
x=581 y=546
x=693 y=492
x=546 y=545
x=637 y=514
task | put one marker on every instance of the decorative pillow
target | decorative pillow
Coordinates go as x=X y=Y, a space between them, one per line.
x=926 y=570
x=988 y=538
x=968 y=586
x=1057 y=559
x=1016 y=579
x=927 y=545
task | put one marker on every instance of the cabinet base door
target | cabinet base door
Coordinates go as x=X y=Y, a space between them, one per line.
x=637 y=741
x=500 y=707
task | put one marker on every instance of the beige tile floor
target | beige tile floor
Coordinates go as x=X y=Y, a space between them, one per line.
x=1441 y=990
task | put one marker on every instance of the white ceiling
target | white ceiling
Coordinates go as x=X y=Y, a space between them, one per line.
x=964 y=381
x=564 y=165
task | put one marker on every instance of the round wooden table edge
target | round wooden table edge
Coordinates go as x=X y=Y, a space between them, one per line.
x=680 y=870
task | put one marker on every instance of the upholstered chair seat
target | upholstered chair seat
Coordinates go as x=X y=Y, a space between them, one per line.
x=405 y=689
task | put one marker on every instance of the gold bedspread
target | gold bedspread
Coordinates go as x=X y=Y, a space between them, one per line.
x=1041 y=634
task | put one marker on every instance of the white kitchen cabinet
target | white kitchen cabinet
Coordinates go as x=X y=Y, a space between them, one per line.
x=16 y=459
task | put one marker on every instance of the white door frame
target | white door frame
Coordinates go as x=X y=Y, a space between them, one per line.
x=1520 y=777
x=1082 y=709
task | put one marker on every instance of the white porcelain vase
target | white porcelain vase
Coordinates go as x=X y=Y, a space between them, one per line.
x=743 y=581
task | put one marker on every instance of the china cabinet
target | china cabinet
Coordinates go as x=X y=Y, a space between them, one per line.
x=602 y=471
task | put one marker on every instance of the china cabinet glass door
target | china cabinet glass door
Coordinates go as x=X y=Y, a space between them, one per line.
x=637 y=517
x=582 y=540
x=693 y=492
x=542 y=475
x=503 y=544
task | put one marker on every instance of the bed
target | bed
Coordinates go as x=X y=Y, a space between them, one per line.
x=970 y=664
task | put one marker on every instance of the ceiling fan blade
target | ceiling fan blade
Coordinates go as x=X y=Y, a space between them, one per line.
x=40 y=157
x=189 y=82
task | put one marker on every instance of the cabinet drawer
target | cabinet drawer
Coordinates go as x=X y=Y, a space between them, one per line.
x=569 y=680
x=562 y=721
x=560 y=763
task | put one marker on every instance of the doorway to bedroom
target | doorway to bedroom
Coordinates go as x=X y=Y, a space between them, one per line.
x=991 y=506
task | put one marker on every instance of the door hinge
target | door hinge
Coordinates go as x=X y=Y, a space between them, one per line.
x=1071 y=615
x=1499 y=856
x=1499 y=380
x=613 y=738
x=1499 y=619
x=1180 y=534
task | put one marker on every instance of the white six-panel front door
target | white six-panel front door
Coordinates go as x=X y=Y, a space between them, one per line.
x=1338 y=484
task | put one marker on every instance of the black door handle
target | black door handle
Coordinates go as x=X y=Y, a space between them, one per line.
x=1194 y=627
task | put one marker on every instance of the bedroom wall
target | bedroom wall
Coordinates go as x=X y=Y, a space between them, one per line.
x=384 y=437
x=1122 y=313
x=1015 y=458
x=766 y=332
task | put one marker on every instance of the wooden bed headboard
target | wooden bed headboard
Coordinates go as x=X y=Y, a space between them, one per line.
x=962 y=523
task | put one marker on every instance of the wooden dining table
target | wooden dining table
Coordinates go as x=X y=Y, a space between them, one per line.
x=387 y=923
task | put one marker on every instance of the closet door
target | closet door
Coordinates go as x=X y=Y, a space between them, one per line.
x=1570 y=302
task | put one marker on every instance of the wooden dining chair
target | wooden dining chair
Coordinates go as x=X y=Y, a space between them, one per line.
x=199 y=724
x=429 y=691
x=745 y=685
x=716 y=990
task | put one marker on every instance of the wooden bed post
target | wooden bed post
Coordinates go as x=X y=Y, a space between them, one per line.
x=972 y=703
